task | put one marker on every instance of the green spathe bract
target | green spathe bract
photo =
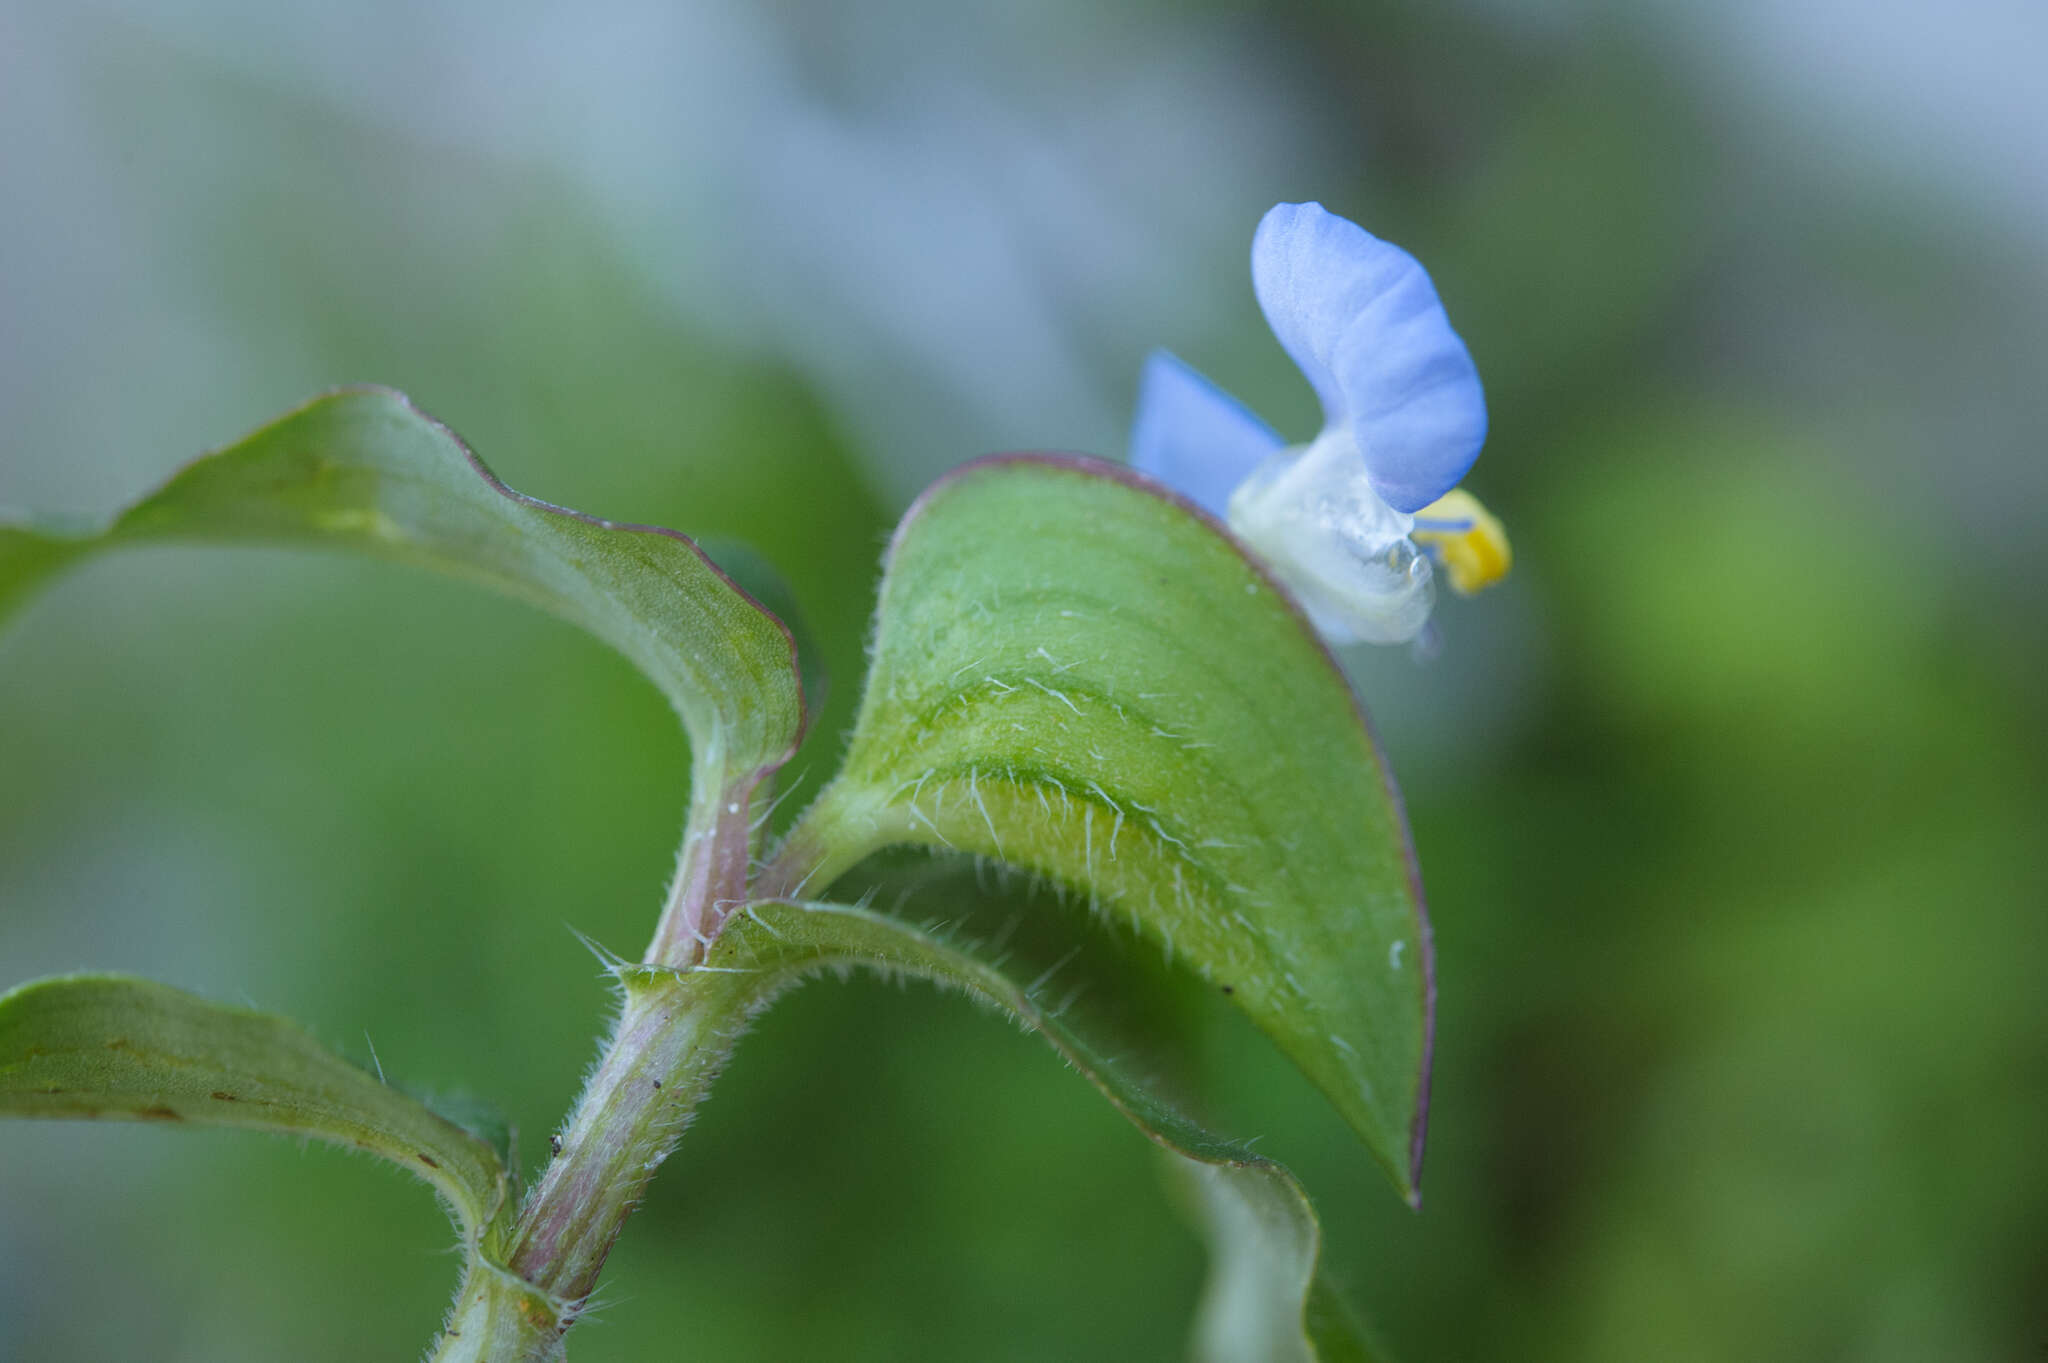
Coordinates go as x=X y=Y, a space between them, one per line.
x=1080 y=674
x=363 y=469
x=1075 y=673
x=112 y=1047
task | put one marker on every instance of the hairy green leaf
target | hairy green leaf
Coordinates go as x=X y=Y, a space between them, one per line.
x=1078 y=673
x=1265 y=1303
x=106 y=1046
x=364 y=469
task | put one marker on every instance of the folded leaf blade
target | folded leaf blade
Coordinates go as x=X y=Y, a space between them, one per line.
x=111 y=1047
x=1077 y=673
x=362 y=469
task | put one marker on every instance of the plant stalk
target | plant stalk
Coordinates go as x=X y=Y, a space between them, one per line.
x=674 y=1030
x=663 y=1054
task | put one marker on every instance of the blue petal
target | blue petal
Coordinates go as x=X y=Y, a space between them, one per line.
x=1361 y=318
x=1193 y=436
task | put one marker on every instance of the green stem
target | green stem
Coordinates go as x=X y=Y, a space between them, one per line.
x=665 y=1051
x=498 y=1319
x=674 y=1031
x=673 y=1034
x=711 y=877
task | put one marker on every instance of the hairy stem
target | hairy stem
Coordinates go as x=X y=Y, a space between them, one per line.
x=498 y=1319
x=673 y=1033
x=711 y=877
x=663 y=1054
x=674 y=1030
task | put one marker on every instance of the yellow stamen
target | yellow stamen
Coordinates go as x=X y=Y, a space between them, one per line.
x=1465 y=539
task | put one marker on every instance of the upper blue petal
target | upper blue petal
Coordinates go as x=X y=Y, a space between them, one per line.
x=1193 y=436
x=1361 y=318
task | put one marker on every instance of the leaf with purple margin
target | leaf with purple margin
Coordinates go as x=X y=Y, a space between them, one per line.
x=108 y=1046
x=1078 y=673
x=363 y=469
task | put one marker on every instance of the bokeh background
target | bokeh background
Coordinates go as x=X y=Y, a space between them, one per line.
x=1730 y=803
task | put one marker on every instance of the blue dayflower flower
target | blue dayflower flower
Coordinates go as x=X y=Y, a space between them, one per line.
x=1339 y=519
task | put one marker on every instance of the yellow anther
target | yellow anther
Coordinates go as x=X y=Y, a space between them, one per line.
x=1465 y=539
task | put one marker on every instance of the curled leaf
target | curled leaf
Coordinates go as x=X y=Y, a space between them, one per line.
x=363 y=469
x=107 y=1046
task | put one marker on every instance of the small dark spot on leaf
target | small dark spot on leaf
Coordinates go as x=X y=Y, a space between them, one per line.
x=1230 y=989
x=159 y=1114
x=657 y=1086
x=223 y=1096
x=428 y=1159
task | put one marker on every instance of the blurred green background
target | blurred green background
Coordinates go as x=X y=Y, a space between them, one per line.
x=1730 y=803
